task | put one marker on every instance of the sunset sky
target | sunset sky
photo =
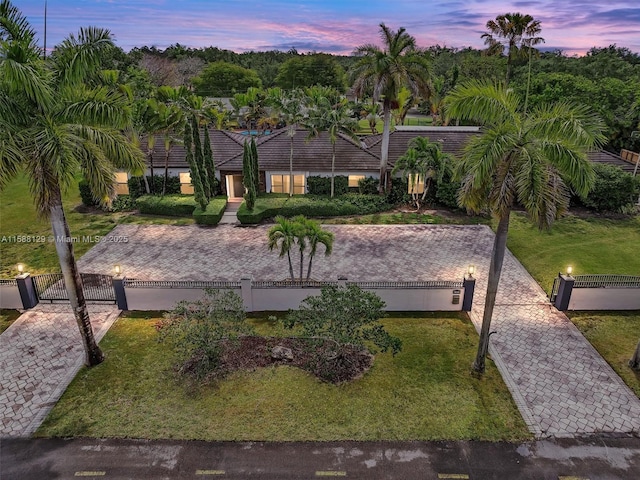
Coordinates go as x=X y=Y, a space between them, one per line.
x=333 y=26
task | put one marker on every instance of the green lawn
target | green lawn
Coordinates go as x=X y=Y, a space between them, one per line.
x=591 y=246
x=18 y=218
x=363 y=125
x=7 y=317
x=404 y=218
x=615 y=336
x=424 y=393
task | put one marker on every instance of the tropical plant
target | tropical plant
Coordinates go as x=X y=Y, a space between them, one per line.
x=248 y=175
x=315 y=236
x=423 y=163
x=372 y=113
x=283 y=234
x=58 y=118
x=335 y=119
x=194 y=168
x=347 y=316
x=519 y=33
x=385 y=72
x=289 y=105
x=530 y=158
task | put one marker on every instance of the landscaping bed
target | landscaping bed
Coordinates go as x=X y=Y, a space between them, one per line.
x=423 y=393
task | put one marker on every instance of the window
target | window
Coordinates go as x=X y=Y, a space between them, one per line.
x=354 y=179
x=280 y=184
x=186 y=188
x=122 y=187
x=416 y=183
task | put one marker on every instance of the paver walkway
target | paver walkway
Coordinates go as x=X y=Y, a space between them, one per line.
x=39 y=356
x=561 y=384
x=229 y=216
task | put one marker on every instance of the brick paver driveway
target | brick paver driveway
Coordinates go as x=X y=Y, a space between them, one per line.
x=39 y=356
x=560 y=383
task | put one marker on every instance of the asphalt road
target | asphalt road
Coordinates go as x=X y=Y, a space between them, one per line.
x=593 y=458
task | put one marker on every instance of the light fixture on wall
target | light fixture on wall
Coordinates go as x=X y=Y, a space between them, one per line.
x=20 y=268
x=569 y=270
x=471 y=269
x=117 y=269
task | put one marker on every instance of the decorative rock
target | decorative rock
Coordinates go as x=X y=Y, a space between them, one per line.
x=281 y=353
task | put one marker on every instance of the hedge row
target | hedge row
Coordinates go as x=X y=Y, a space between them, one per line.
x=170 y=205
x=213 y=214
x=312 y=206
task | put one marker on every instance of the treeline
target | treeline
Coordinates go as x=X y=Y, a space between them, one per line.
x=605 y=79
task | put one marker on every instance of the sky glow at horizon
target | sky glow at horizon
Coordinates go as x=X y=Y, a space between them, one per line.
x=333 y=26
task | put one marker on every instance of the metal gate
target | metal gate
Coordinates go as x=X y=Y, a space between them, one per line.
x=554 y=289
x=97 y=288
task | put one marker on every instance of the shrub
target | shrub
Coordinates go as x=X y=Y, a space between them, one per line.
x=137 y=187
x=312 y=206
x=213 y=213
x=368 y=186
x=399 y=192
x=170 y=205
x=86 y=195
x=317 y=185
x=196 y=329
x=346 y=316
x=447 y=192
x=122 y=203
x=613 y=189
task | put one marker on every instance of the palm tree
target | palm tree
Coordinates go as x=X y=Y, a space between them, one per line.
x=289 y=105
x=532 y=159
x=372 y=112
x=385 y=72
x=283 y=233
x=335 y=120
x=517 y=30
x=316 y=236
x=57 y=119
x=424 y=160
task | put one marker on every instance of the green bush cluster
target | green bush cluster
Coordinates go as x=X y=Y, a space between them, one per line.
x=213 y=213
x=368 y=186
x=86 y=195
x=170 y=205
x=137 y=187
x=447 y=192
x=613 y=190
x=312 y=206
x=123 y=203
x=317 y=185
x=399 y=192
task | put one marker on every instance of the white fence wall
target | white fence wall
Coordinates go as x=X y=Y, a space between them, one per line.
x=282 y=298
x=605 y=299
x=10 y=296
x=141 y=298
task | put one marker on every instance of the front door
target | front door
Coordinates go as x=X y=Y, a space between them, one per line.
x=235 y=187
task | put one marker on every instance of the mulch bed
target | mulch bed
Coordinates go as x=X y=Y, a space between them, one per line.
x=326 y=360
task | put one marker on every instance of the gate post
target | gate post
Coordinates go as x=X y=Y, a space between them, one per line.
x=564 y=292
x=469 y=284
x=121 y=295
x=27 y=291
x=245 y=291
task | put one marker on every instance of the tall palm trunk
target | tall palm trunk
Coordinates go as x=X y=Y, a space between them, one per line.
x=290 y=266
x=384 y=155
x=309 y=267
x=166 y=171
x=497 y=257
x=634 y=363
x=333 y=167
x=72 y=280
x=301 y=263
x=291 y=164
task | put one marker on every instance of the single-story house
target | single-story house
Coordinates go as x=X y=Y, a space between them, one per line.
x=312 y=156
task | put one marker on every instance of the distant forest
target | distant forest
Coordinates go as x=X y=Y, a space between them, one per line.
x=605 y=79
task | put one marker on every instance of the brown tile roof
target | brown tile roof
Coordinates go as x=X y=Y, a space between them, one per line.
x=315 y=154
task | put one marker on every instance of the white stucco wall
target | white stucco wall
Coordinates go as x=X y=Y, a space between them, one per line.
x=10 y=297
x=605 y=299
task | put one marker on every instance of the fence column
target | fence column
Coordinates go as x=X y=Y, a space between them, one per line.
x=469 y=284
x=564 y=292
x=342 y=281
x=245 y=288
x=121 y=295
x=27 y=291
